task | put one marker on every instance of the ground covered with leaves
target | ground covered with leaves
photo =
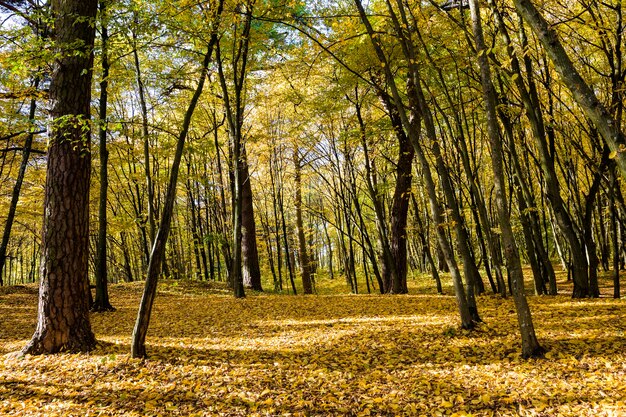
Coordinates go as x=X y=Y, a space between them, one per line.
x=354 y=355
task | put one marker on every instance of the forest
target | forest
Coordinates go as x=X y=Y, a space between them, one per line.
x=288 y=207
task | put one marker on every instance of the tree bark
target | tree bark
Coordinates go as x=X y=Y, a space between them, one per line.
x=101 y=301
x=400 y=202
x=146 y=139
x=303 y=255
x=614 y=238
x=412 y=127
x=530 y=345
x=251 y=268
x=63 y=317
x=234 y=110
x=138 y=346
x=15 y=195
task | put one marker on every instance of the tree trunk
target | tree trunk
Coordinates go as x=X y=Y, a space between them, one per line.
x=101 y=301
x=234 y=110
x=530 y=345
x=138 y=346
x=15 y=195
x=565 y=223
x=305 y=265
x=400 y=202
x=426 y=246
x=412 y=127
x=251 y=268
x=614 y=239
x=582 y=93
x=63 y=318
x=146 y=140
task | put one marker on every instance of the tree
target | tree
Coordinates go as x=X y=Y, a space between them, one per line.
x=138 y=346
x=63 y=318
x=40 y=31
x=530 y=345
x=606 y=124
x=303 y=253
x=101 y=301
x=234 y=102
x=411 y=121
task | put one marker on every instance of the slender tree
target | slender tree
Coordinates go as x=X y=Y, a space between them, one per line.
x=138 y=346
x=530 y=345
x=101 y=301
x=606 y=124
x=234 y=108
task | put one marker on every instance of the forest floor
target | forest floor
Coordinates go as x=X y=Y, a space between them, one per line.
x=353 y=355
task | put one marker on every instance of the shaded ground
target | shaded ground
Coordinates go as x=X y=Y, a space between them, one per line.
x=320 y=355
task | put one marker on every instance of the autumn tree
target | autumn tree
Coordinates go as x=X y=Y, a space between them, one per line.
x=101 y=301
x=138 y=348
x=530 y=345
x=606 y=124
x=63 y=318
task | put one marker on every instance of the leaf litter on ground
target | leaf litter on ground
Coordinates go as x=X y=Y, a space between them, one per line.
x=353 y=355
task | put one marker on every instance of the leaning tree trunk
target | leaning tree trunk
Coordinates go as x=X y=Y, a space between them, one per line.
x=532 y=106
x=582 y=93
x=15 y=195
x=412 y=127
x=138 y=346
x=530 y=344
x=63 y=318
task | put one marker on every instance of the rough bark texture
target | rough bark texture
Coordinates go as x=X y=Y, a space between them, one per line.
x=395 y=277
x=400 y=211
x=63 y=317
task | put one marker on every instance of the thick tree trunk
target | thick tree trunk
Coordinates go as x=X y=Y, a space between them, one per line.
x=400 y=203
x=63 y=318
x=400 y=211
